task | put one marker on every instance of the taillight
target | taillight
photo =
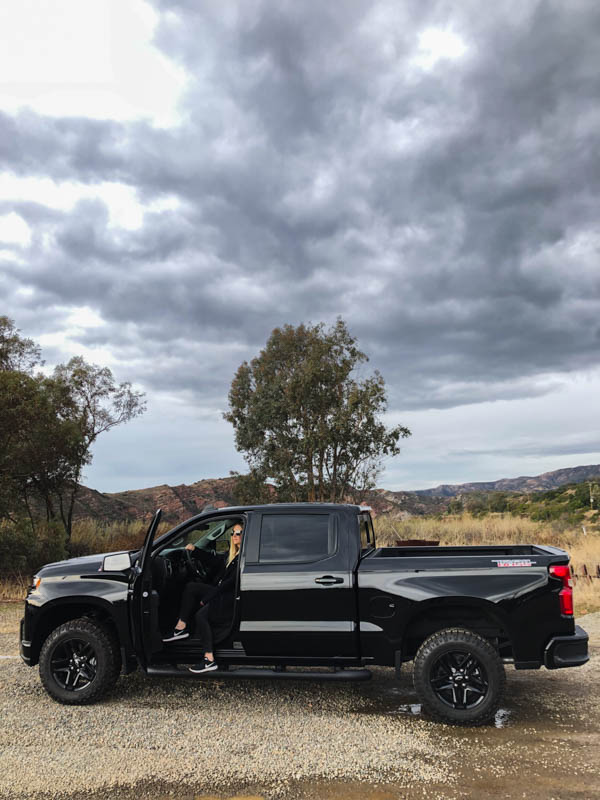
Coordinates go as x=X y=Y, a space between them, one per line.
x=565 y=596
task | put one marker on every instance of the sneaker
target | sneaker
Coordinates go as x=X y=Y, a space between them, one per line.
x=205 y=666
x=182 y=634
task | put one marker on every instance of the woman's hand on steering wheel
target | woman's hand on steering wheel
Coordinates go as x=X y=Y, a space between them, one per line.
x=196 y=568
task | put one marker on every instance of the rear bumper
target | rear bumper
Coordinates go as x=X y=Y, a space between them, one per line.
x=567 y=651
x=24 y=646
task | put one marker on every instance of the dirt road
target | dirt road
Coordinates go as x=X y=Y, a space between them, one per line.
x=189 y=739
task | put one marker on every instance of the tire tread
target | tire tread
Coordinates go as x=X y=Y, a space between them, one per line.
x=103 y=683
x=462 y=636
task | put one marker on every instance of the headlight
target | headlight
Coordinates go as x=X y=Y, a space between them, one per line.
x=36 y=581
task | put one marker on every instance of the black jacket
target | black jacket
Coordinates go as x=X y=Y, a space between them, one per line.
x=220 y=597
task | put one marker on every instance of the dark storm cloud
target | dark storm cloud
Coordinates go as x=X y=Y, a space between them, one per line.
x=447 y=211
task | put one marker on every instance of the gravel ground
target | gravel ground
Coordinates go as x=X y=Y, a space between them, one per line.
x=158 y=737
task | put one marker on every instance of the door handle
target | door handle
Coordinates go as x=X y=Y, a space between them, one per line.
x=328 y=580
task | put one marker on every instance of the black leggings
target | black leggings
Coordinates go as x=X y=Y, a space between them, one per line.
x=191 y=597
x=202 y=629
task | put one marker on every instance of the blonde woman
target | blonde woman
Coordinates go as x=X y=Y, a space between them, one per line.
x=219 y=593
x=216 y=607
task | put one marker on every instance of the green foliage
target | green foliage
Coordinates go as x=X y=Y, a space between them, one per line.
x=47 y=427
x=23 y=550
x=252 y=489
x=455 y=506
x=97 y=404
x=16 y=353
x=305 y=422
x=565 y=507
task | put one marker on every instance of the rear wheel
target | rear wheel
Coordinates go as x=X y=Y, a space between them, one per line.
x=459 y=677
x=79 y=662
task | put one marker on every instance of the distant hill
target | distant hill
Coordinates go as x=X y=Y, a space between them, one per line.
x=177 y=502
x=524 y=484
x=183 y=501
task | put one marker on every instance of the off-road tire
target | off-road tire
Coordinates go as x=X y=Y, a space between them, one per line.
x=489 y=672
x=106 y=660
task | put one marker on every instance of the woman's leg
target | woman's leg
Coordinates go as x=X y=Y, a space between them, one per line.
x=190 y=600
x=204 y=632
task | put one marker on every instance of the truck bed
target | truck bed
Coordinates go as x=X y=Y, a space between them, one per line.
x=508 y=555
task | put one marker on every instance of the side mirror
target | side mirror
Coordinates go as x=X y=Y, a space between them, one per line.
x=116 y=562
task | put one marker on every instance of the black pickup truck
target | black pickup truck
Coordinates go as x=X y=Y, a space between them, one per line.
x=313 y=591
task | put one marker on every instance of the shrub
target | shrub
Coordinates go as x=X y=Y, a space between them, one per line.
x=23 y=551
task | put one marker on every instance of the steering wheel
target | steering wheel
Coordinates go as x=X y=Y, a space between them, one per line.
x=199 y=565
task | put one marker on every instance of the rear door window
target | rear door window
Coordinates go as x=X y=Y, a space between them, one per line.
x=296 y=538
x=367 y=538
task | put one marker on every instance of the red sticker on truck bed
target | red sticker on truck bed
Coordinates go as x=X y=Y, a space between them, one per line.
x=513 y=562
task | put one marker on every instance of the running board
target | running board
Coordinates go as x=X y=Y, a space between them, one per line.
x=273 y=674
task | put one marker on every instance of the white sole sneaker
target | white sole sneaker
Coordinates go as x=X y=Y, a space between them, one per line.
x=207 y=667
x=176 y=636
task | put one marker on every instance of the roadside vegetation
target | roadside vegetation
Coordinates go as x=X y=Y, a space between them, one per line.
x=569 y=506
x=23 y=551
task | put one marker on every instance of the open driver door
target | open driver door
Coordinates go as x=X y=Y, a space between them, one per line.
x=144 y=601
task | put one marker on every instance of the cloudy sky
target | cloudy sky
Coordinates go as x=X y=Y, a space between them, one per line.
x=177 y=178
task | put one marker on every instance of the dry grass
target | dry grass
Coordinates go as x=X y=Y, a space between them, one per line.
x=90 y=537
x=465 y=529
x=13 y=589
x=10 y=615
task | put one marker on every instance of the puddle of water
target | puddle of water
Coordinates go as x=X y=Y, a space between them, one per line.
x=413 y=709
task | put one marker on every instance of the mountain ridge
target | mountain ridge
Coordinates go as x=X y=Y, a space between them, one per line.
x=523 y=484
x=185 y=500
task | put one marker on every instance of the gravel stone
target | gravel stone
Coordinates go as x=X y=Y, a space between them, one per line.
x=164 y=737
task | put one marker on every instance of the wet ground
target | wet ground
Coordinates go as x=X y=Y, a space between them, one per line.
x=545 y=742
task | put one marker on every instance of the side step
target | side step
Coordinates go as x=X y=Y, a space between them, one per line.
x=272 y=674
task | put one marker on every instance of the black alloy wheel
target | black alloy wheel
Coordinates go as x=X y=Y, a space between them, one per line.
x=73 y=664
x=459 y=677
x=80 y=661
x=459 y=680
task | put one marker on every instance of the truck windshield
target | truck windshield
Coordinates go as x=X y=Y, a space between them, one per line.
x=210 y=535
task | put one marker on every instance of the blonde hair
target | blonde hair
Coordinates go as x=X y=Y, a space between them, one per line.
x=233 y=550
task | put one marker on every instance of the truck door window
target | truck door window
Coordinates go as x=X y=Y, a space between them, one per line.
x=296 y=538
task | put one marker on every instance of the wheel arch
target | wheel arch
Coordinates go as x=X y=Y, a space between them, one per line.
x=472 y=613
x=56 y=612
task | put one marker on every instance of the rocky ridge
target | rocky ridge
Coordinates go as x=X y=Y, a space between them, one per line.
x=180 y=502
x=523 y=485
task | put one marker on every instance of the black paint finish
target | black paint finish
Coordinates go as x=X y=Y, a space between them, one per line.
x=346 y=607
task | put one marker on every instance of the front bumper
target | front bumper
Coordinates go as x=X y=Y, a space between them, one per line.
x=567 y=651
x=24 y=646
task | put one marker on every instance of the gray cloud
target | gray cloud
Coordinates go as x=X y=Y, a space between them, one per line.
x=448 y=215
x=536 y=449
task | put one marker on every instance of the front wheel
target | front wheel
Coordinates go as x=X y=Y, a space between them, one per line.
x=459 y=677
x=79 y=662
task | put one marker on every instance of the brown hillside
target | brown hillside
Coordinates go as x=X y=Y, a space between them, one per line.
x=177 y=502
x=183 y=501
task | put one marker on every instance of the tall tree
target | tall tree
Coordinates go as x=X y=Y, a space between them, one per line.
x=96 y=405
x=17 y=354
x=48 y=426
x=303 y=420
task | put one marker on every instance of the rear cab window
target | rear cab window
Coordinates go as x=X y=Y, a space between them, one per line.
x=297 y=538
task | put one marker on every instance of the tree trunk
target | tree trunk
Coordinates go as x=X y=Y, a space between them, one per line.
x=67 y=517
